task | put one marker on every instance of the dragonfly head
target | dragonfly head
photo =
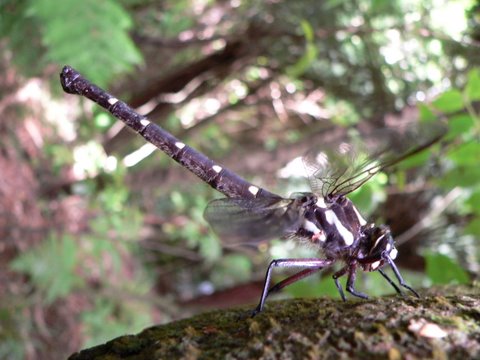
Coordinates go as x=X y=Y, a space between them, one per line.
x=376 y=244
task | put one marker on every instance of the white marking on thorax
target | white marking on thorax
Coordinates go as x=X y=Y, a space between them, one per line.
x=145 y=122
x=346 y=235
x=375 y=265
x=393 y=253
x=253 y=190
x=361 y=220
x=321 y=203
x=217 y=168
x=112 y=101
x=179 y=145
x=310 y=226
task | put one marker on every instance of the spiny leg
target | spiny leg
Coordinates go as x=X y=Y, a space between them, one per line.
x=310 y=264
x=291 y=279
x=338 y=275
x=352 y=275
x=390 y=281
x=399 y=276
x=351 y=270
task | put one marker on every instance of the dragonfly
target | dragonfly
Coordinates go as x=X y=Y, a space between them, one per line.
x=324 y=217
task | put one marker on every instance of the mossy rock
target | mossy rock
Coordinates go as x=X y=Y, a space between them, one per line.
x=443 y=324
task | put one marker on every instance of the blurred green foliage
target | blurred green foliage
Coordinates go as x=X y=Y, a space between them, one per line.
x=67 y=29
x=110 y=318
x=311 y=52
x=441 y=270
x=232 y=269
x=51 y=267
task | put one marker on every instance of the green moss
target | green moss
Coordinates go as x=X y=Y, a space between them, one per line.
x=388 y=327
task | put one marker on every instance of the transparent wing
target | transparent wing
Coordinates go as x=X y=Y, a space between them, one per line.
x=339 y=166
x=249 y=221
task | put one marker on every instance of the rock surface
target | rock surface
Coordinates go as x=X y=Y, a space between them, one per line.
x=443 y=324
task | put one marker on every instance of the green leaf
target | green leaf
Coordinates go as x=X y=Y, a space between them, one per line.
x=90 y=35
x=310 y=54
x=16 y=27
x=368 y=196
x=449 y=101
x=426 y=114
x=463 y=176
x=416 y=160
x=51 y=266
x=331 y=4
x=473 y=227
x=307 y=31
x=459 y=124
x=210 y=248
x=381 y=7
x=443 y=270
x=474 y=202
x=467 y=153
x=472 y=89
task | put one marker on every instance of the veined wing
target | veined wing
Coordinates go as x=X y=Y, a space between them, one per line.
x=340 y=166
x=249 y=221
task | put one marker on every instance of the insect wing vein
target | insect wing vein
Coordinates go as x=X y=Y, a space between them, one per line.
x=341 y=165
x=252 y=220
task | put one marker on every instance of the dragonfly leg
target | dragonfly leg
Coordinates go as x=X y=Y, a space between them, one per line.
x=399 y=276
x=390 y=281
x=351 y=269
x=311 y=265
x=338 y=275
x=291 y=279
x=352 y=275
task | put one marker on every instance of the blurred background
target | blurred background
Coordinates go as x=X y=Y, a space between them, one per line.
x=101 y=236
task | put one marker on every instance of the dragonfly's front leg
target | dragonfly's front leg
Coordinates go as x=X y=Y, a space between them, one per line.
x=386 y=277
x=399 y=276
x=311 y=265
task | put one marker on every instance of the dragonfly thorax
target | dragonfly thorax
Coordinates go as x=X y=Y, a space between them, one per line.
x=332 y=224
x=340 y=231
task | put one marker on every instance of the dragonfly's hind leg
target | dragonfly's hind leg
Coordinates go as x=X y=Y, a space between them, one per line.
x=311 y=265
